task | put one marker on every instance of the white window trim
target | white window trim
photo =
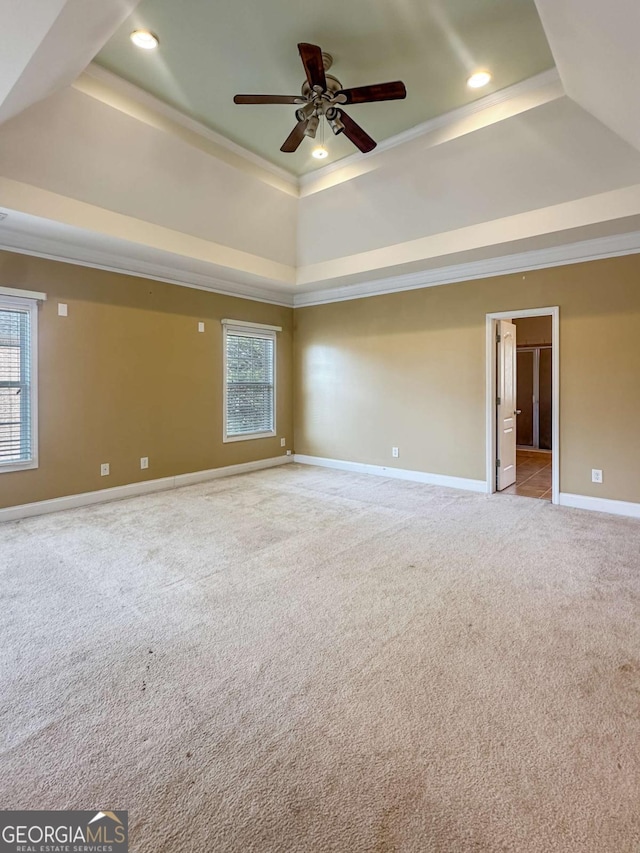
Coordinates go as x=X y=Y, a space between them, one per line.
x=22 y=294
x=255 y=330
x=240 y=324
x=9 y=302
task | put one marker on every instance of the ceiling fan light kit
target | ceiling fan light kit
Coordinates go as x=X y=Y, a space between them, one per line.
x=312 y=126
x=335 y=122
x=322 y=96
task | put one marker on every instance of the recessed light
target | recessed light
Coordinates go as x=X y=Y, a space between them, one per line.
x=320 y=153
x=144 y=39
x=478 y=79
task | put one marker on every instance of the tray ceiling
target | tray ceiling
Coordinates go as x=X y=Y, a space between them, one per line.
x=210 y=51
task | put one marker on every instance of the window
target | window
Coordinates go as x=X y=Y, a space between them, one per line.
x=18 y=438
x=249 y=388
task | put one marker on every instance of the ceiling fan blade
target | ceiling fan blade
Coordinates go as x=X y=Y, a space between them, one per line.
x=378 y=92
x=356 y=134
x=295 y=137
x=311 y=57
x=268 y=99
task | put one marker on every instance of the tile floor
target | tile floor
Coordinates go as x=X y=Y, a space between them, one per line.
x=533 y=476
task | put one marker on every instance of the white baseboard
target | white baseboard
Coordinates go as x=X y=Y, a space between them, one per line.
x=145 y=487
x=12 y=513
x=600 y=504
x=396 y=473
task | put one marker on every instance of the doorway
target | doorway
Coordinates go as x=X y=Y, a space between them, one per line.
x=534 y=396
x=523 y=403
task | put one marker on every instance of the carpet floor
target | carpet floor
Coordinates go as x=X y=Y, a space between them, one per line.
x=308 y=660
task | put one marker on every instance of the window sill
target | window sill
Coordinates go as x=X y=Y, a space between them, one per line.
x=249 y=436
x=6 y=467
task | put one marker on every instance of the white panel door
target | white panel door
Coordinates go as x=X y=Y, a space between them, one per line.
x=506 y=404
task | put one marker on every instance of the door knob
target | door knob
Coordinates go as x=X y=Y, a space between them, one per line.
x=518 y=412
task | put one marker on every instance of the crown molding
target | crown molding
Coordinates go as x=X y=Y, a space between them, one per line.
x=546 y=80
x=107 y=87
x=556 y=256
x=158 y=269
x=99 y=83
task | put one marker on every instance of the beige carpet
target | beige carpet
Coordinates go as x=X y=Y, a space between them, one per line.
x=310 y=660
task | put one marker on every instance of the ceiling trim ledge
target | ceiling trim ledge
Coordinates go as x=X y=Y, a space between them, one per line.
x=77 y=229
x=571 y=253
x=103 y=85
x=79 y=255
x=118 y=93
x=522 y=96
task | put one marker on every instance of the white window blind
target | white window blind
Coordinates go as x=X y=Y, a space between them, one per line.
x=249 y=383
x=16 y=415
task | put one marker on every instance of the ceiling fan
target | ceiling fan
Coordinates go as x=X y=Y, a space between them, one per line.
x=323 y=96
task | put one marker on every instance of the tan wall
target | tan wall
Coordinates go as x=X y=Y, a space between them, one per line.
x=408 y=369
x=533 y=331
x=127 y=374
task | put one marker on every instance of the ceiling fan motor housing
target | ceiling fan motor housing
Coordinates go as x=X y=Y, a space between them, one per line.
x=333 y=86
x=320 y=103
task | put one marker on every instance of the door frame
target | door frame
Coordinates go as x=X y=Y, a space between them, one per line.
x=491 y=443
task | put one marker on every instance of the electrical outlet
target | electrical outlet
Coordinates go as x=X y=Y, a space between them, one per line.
x=62 y=309
x=283 y=442
x=596 y=475
x=104 y=469
x=395 y=452
x=144 y=462
x=201 y=327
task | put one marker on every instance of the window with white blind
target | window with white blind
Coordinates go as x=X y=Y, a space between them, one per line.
x=250 y=381
x=18 y=437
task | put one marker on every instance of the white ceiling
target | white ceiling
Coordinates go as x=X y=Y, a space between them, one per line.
x=596 y=47
x=44 y=46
